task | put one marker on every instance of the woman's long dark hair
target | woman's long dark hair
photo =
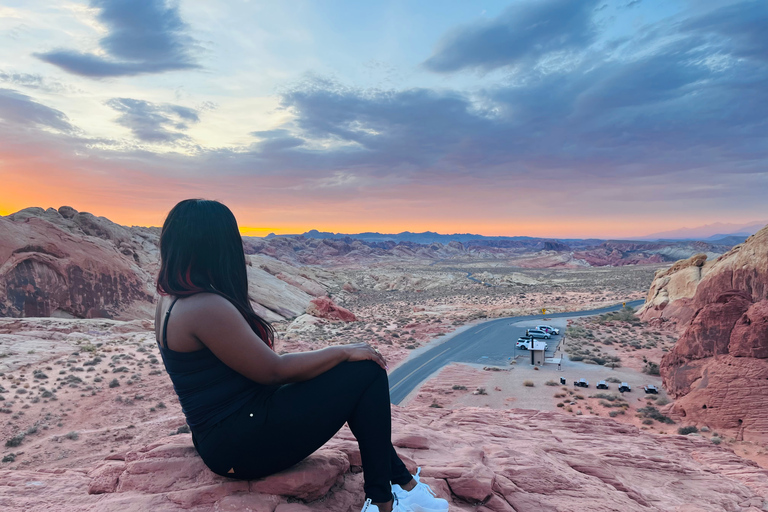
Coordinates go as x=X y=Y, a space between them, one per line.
x=201 y=250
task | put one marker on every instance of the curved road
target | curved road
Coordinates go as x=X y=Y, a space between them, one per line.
x=490 y=342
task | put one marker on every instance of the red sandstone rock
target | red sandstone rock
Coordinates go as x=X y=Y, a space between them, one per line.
x=323 y=307
x=46 y=270
x=479 y=459
x=749 y=337
x=718 y=368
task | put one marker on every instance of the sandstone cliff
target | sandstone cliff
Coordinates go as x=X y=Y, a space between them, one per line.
x=719 y=366
x=72 y=265
x=670 y=294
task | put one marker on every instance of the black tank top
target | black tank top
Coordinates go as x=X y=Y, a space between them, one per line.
x=208 y=389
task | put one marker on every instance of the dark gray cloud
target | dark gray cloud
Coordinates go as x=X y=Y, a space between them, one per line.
x=152 y=122
x=697 y=100
x=273 y=141
x=524 y=32
x=145 y=36
x=20 y=110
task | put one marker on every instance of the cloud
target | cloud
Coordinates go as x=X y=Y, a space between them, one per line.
x=523 y=33
x=272 y=141
x=31 y=81
x=20 y=110
x=146 y=36
x=152 y=122
x=739 y=27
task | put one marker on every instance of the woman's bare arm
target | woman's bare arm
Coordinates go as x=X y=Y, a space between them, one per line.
x=218 y=324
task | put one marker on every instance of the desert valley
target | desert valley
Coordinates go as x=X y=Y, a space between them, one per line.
x=89 y=419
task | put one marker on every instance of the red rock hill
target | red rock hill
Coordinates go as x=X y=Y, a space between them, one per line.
x=718 y=369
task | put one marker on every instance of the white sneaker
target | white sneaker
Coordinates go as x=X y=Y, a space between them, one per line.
x=397 y=506
x=421 y=498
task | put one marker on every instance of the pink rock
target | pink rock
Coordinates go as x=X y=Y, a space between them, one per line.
x=309 y=479
x=104 y=478
x=323 y=307
x=412 y=441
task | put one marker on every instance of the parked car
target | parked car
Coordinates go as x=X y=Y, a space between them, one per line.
x=624 y=388
x=651 y=389
x=602 y=385
x=582 y=383
x=549 y=329
x=536 y=333
x=526 y=343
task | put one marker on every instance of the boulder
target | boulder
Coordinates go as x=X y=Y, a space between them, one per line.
x=324 y=307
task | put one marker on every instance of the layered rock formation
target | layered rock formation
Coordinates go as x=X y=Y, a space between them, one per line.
x=670 y=295
x=70 y=264
x=719 y=366
x=481 y=460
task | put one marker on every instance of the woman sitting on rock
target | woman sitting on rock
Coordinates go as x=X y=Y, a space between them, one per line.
x=251 y=411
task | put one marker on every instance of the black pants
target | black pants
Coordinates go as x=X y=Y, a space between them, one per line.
x=273 y=432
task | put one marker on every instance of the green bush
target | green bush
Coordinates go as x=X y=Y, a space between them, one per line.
x=650 y=412
x=651 y=368
x=716 y=440
x=684 y=431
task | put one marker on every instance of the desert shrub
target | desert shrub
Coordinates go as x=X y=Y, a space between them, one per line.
x=113 y=383
x=436 y=405
x=74 y=436
x=459 y=387
x=647 y=421
x=651 y=368
x=613 y=380
x=662 y=400
x=552 y=383
x=626 y=314
x=613 y=414
x=10 y=457
x=650 y=412
x=684 y=431
x=561 y=405
x=716 y=440
x=528 y=383
x=576 y=357
x=15 y=440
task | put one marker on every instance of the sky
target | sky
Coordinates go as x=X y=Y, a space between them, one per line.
x=555 y=118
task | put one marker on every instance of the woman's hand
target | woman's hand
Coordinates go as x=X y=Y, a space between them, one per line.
x=363 y=352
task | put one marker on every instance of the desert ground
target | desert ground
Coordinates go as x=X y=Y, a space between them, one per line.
x=68 y=384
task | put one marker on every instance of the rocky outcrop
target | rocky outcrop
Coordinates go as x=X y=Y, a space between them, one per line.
x=481 y=460
x=324 y=307
x=670 y=294
x=719 y=368
x=50 y=266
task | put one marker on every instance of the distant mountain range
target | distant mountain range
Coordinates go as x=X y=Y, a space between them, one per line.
x=709 y=232
x=723 y=234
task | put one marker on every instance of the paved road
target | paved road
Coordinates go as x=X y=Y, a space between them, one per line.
x=490 y=342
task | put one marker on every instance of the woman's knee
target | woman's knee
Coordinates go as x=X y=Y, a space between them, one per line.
x=366 y=370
